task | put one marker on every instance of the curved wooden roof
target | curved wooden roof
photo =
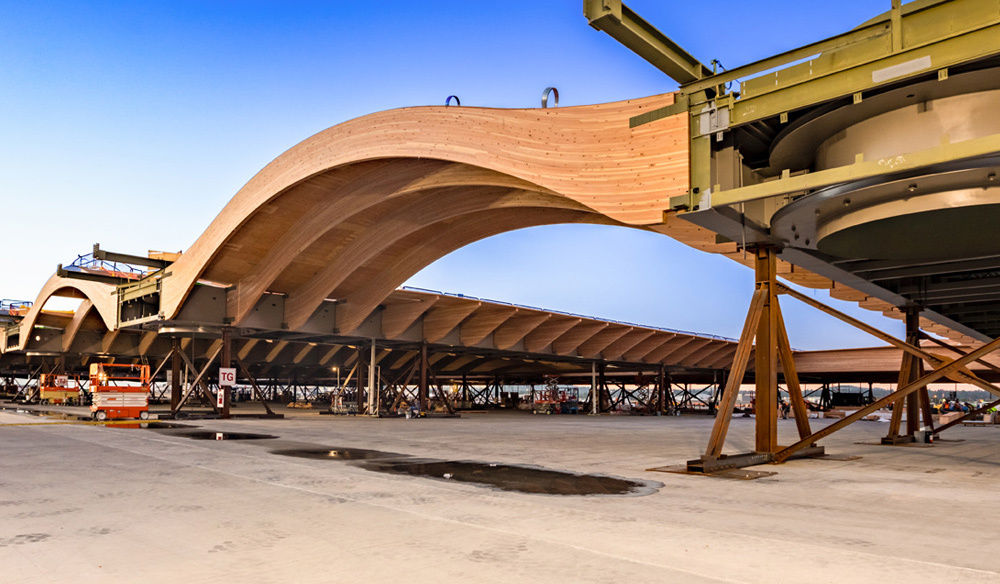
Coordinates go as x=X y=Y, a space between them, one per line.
x=355 y=210
x=97 y=298
x=351 y=213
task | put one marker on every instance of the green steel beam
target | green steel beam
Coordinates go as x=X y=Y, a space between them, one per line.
x=680 y=105
x=825 y=46
x=918 y=38
x=827 y=83
x=140 y=289
x=628 y=28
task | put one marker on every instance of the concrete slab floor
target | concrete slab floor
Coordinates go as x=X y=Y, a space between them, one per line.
x=85 y=503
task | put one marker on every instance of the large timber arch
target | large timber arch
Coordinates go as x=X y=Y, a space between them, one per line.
x=355 y=210
x=98 y=309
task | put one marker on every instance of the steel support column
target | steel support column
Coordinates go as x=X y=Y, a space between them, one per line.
x=373 y=384
x=423 y=393
x=226 y=360
x=913 y=400
x=360 y=383
x=175 y=374
x=661 y=384
x=603 y=395
x=593 y=388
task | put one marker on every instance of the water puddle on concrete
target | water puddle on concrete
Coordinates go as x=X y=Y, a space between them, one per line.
x=205 y=435
x=502 y=477
x=149 y=426
x=338 y=454
x=62 y=416
x=521 y=479
x=47 y=414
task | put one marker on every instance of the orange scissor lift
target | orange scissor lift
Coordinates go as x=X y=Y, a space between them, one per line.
x=58 y=389
x=119 y=391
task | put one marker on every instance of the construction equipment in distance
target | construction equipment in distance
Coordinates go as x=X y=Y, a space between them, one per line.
x=119 y=391
x=553 y=400
x=58 y=389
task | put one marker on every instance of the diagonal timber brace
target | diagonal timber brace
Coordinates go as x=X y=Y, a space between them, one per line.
x=935 y=361
x=941 y=371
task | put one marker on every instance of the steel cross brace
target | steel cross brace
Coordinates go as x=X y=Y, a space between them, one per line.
x=402 y=393
x=253 y=383
x=198 y=380
x=440 y=394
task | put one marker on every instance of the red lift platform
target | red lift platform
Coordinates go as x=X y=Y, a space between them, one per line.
x=119 y=391
x=58 y=389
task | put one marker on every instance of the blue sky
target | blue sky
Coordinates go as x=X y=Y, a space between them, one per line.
x=131 y=124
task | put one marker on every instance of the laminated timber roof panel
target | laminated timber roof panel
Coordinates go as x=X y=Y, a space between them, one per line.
x=353 y=211
x=366 y=289
x=483 y=322
x=654 y=342
x=399 y=313
x=95 y=296
x=484 y=336
x=876 y=359
x=516 y=328
x=544 y=333
x=630 y=340
x=474 y=326
x=593 y=346
x=395 y=173
x=445 y=316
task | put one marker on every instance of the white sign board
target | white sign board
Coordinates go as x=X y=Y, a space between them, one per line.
x=227 y=376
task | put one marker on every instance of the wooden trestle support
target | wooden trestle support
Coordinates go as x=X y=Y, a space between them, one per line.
x=765 y=325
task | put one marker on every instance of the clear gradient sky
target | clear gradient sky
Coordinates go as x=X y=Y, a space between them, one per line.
x=132 y=123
